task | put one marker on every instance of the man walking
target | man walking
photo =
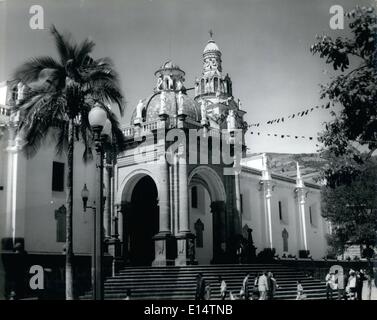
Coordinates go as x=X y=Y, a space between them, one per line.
x=200 y=287
x=263 y=286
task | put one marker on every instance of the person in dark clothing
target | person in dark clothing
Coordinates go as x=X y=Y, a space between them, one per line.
x=360 y=277
x=200 y=287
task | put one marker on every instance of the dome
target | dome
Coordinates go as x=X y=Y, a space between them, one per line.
x=151 y=113
x=211 y=46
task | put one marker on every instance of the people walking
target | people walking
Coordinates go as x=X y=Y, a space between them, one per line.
x=128 y=294
x=223 y=288
x=263 y=286
x=300 y=291
x=207 y=295
x=255 y=295
x=360 y=277
x=200 y=287
x=351 y=285
x=330 y=284
x=244 y=292
x=272 y=286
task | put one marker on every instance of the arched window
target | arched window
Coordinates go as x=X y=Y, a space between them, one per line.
x=194 y=197
x=215 y=84
x=202 y=90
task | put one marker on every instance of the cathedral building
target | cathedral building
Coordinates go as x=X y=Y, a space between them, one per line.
x=183 y=192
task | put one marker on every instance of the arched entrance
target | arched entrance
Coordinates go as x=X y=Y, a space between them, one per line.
x=207 y=214
x=142 y=222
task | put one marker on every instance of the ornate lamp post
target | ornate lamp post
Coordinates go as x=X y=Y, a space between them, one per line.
x=101 y=127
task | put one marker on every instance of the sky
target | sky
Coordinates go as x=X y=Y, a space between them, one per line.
x=265 y=49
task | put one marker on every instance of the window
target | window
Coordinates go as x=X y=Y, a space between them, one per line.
x=313 y=216
x=215 y=84
x=194 y=197
x=57 y=176
x=241 y=200
x=60 y=216
x=280 y=212
x=310 y=215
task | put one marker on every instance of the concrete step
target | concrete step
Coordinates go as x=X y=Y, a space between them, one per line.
x=180 y=282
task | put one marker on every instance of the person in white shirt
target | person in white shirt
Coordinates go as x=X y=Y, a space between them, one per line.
x=263 y=286
x=330 y=284
x=223 y=288
x=300 y=292
x=351 y=286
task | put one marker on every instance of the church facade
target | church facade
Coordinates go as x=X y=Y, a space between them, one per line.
x=183 y=192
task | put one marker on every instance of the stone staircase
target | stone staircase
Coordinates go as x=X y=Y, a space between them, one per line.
x=178 y=283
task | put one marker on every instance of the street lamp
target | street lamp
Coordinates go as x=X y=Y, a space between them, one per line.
x=101 y=127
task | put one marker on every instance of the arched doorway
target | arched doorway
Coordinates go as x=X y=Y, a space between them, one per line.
x=201 y=223
x=142 y=222
x=207 y=213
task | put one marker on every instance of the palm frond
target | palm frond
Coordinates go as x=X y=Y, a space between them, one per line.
x=83 y=50
x=63 y=45
x=37 y=119
x=30 y=70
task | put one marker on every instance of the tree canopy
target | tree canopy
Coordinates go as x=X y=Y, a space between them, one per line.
x=349 y=197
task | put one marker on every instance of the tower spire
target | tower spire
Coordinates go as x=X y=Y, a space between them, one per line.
x=210 y=33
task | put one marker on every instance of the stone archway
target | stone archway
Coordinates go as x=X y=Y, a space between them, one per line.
x=214 y=212
x=140 y=219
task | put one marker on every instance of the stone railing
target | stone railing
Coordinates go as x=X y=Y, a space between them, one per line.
x=147 y=127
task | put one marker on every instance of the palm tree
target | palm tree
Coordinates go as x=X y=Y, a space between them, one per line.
x=57 y=99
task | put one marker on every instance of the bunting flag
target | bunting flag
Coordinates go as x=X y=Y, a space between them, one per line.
x=282 y=136
x=292 y=116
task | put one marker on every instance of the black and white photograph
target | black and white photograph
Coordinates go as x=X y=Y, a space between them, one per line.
x=204 y=151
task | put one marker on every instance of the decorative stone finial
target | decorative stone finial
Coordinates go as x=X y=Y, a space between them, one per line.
x=299 y=181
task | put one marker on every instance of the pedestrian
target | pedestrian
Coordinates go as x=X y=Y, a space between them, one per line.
x=128 y=294
x=360 y=277
x=330 y=284
x=223 y=288
x=263 y=286
x=255 y=295
x=272 y=286
x=300 y=292
x=200 y=287
x=207 y=292
x=232 y=296
x=339 y=284
x=244 y=292
x=351 y=286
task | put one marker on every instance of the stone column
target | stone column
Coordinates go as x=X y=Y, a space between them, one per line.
x=301 y=199
x=176 y=195
x=267 y=187
x=114 y=244
x=185 y=243
x=107 y=208
x=162 y=239
x=164 y=192
x=184 y=226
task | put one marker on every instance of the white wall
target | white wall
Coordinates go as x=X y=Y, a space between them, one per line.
x=37 y=209
x=254 y=216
